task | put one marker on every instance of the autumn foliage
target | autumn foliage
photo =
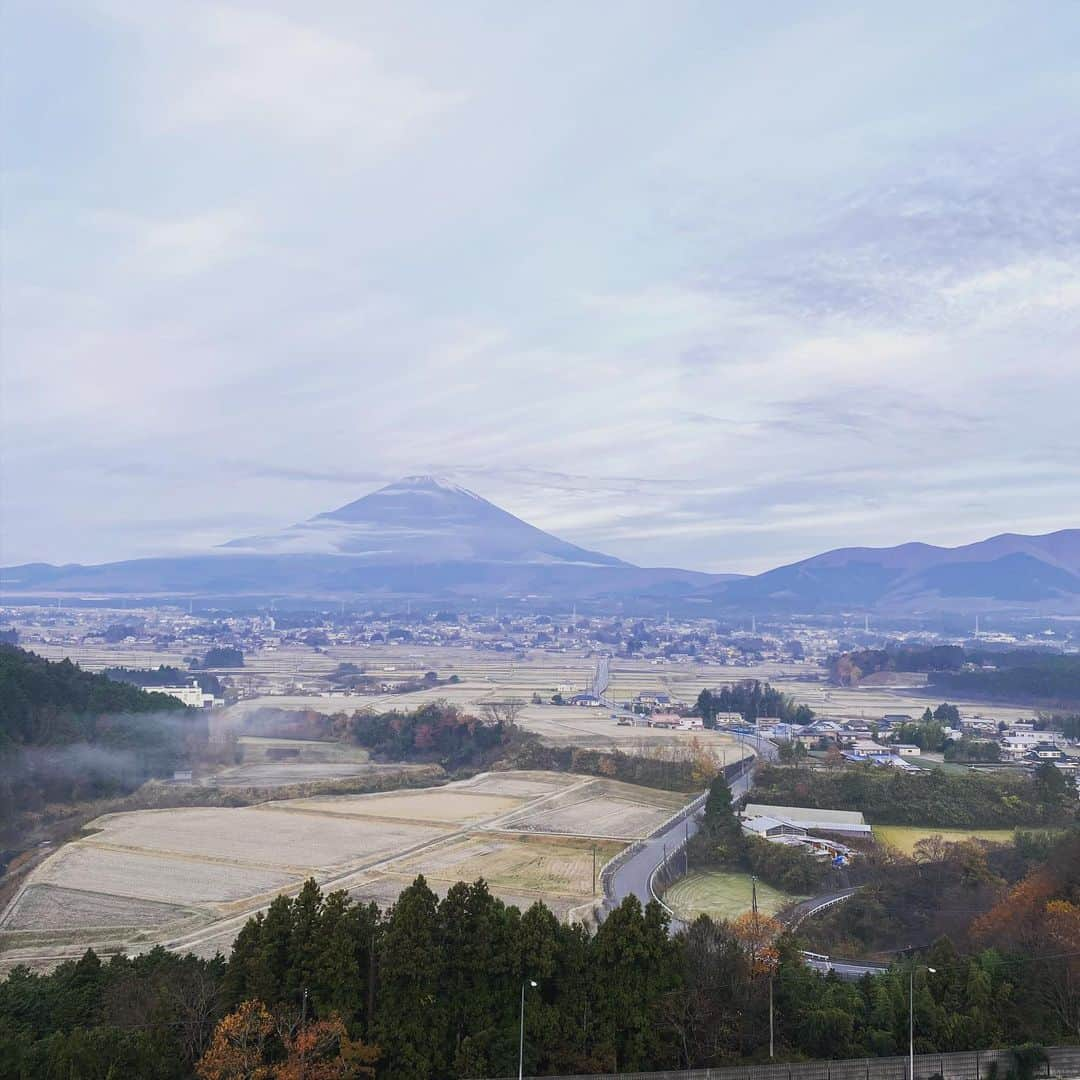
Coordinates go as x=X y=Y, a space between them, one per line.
x=254 y=1044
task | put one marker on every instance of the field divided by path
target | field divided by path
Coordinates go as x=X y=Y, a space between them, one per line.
x=190 y=877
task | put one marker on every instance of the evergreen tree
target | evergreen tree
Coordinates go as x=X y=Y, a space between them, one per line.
x=410 y=1016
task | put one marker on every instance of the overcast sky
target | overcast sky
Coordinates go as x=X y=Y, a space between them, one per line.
x=717 y=285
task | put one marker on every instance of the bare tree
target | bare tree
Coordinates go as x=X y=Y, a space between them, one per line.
x=502 y=712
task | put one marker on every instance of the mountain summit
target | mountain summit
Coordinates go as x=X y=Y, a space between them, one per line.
x=422 y=519
x=421 y=536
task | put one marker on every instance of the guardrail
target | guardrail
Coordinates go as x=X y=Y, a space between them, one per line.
x=1062 y=1063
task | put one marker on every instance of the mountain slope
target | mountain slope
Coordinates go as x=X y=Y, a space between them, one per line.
x=1039 y=572
x=423 y=519
x=418 y=537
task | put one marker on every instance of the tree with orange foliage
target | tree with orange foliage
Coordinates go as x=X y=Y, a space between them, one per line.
x=1014 y=921
x=240 y=1046
x=757 y=934
x=249 y=1045
x=705 y=766
x=323 y=1051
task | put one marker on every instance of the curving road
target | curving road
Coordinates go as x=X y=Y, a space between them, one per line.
x=633 y=877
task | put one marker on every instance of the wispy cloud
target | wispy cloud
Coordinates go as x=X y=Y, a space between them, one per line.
x=818 y=284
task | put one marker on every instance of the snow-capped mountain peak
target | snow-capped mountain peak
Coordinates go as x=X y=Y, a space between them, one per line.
x=423 y=519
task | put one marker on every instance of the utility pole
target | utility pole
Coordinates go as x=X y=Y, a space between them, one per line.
x=594 y=869
x=754 y=917
x=521 y=1037
x=371 y=986
x=771 y=1045
x=303 y=1045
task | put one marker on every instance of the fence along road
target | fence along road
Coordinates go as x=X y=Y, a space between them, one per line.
x=1062 y=1063
x=631 y=873
x=635 y=871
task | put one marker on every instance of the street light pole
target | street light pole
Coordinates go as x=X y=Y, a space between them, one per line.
x=911 y=1020
x=911 y=1016
x=521 y=1037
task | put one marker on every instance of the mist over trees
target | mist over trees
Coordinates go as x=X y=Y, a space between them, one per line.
x=68 y=734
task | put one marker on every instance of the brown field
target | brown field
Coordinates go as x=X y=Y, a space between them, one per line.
x=273 y=835
x=49 y=907
x=191 y=876
x=164 y=877
x=442 y=805
x=602 y=808
x=272 y=774
x=534 y=865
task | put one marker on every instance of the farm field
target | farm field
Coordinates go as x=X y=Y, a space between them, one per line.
x=448 y=806
x=271 y=774
x=603 y=808
x=485 y=675
x=722 y=894
x=192 y=876
x=256 y=748
x=537 y=866
x=904 y=837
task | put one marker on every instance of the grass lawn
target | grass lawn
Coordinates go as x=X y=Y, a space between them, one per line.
x=721 y=894
x=905 y=837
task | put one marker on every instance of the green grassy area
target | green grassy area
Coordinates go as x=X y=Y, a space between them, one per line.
x=904 y=837
x=721 y=894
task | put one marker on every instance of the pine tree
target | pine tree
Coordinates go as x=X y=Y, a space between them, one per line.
x=410 y=1019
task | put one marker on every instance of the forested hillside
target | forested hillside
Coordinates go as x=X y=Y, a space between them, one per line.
x=1017 y=676
x=1032 y=675
x=932 y=797
x=68 y=734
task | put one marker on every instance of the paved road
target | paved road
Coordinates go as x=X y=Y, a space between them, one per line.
x=632 y=877
x=602 y=678
x=814 y=904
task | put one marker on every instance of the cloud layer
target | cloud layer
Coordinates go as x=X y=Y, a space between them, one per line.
x=694 y=285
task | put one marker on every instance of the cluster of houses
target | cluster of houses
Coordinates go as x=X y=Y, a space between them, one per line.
x=1019 y=743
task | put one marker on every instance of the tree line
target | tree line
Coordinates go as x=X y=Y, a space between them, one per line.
x=931 y=797
x=753 y=700
x=321 y=985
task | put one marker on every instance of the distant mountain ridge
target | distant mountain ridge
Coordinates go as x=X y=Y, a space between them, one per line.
x=426 y=537
x=421 y=536
x=1039 y=572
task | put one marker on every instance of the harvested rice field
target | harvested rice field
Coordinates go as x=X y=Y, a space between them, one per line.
x=49 y=907
x=192 y=876
x=275 y=836
x=448 y=806
x=165 y=878
x=603 y=808
x=536 y=865
x=721 y=894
